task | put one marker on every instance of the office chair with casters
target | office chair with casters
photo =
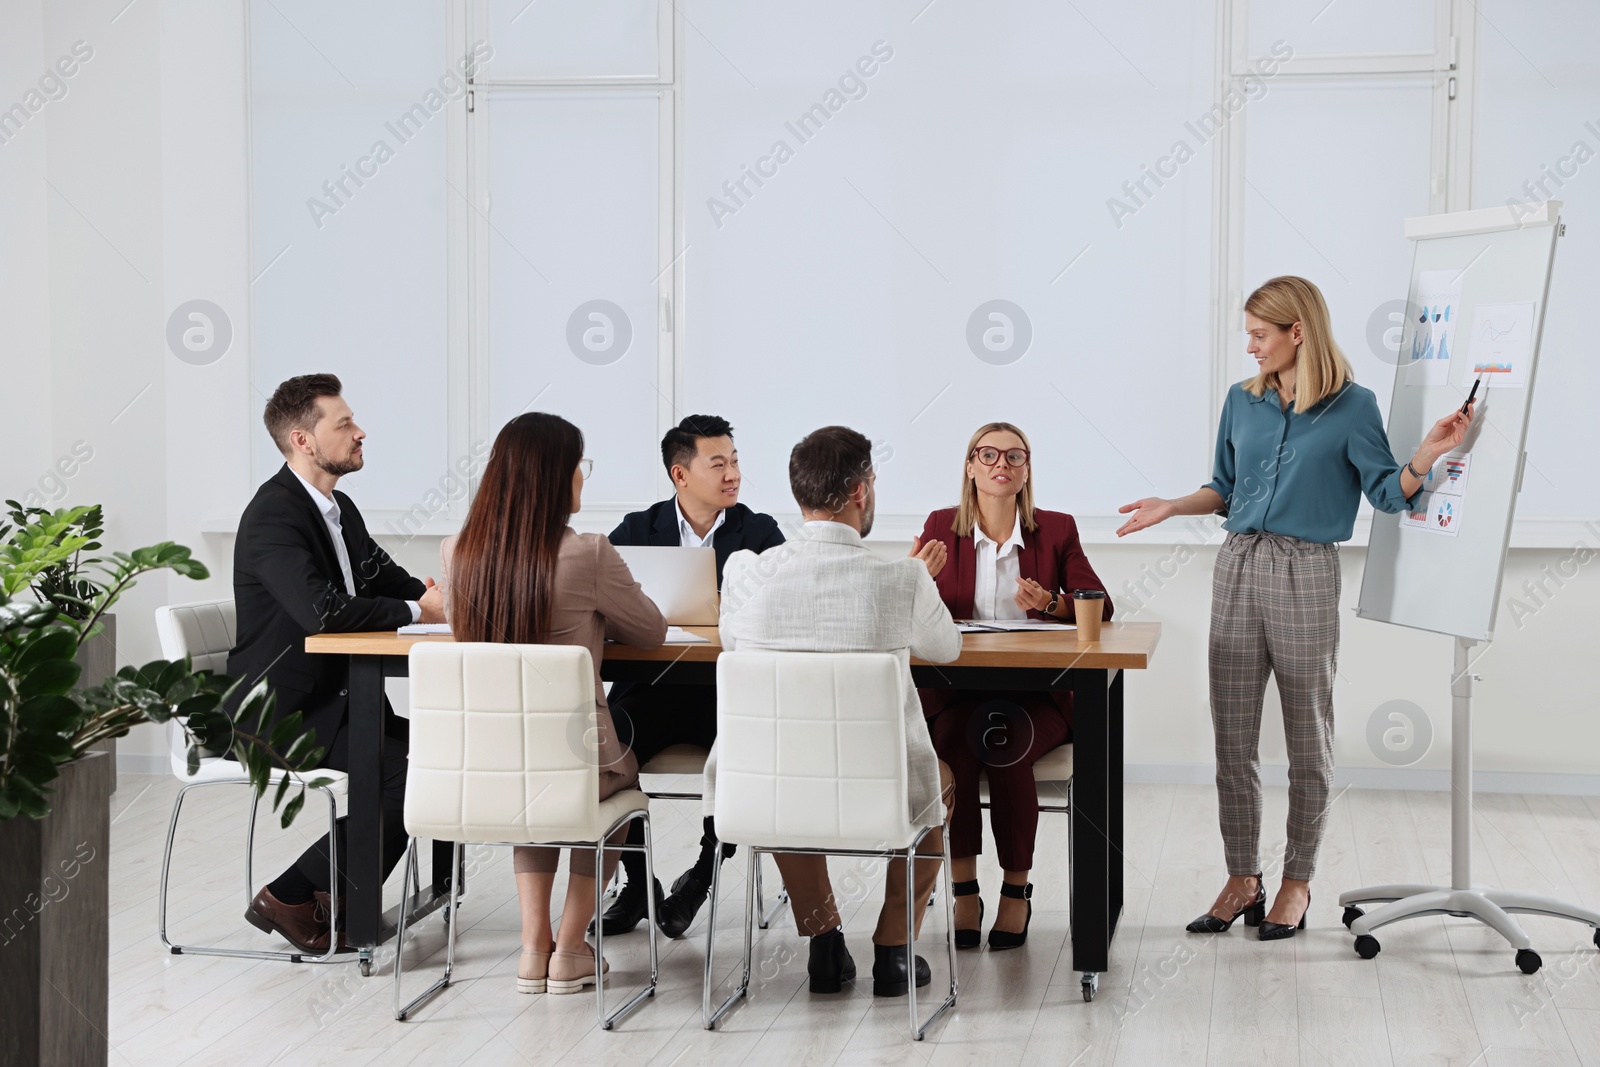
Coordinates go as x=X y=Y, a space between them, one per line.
x=503 y=752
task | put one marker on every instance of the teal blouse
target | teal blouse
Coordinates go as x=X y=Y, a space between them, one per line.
x=1302 y=475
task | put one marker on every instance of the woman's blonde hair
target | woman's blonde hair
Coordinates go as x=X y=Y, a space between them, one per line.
x=1320 y=369
x=967 y=510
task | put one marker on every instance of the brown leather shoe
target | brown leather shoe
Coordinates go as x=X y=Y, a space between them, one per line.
x=325 y=914
x=298 y=924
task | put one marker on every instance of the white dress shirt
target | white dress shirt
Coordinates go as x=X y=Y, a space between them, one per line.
x=686 y=535
x=999 y=566
x=329 y=508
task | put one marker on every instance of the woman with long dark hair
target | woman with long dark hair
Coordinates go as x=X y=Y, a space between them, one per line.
x=518 y=573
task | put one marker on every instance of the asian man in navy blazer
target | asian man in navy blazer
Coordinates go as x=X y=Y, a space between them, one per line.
x=703 y=463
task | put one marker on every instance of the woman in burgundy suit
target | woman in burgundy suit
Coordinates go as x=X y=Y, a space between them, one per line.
x=1005 y=560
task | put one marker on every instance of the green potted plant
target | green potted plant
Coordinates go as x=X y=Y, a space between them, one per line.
x=54 y=813
x=70 y=585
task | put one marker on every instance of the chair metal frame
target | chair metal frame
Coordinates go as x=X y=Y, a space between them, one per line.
x=600 y=847
x=919 y=1028
x=249 y=881
x=763 y=914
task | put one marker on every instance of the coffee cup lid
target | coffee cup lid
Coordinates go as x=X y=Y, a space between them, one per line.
x=1088 y=594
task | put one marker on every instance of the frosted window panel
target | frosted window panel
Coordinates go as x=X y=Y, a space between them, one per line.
x=1333 y=172
x=573 y=262
x=1321 y=27
x=976 y=162
x=1538 y=137
x=571 y=39
x=348 y=225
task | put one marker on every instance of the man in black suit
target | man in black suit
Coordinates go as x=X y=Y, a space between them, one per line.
x=704 y=466
x=303 y=563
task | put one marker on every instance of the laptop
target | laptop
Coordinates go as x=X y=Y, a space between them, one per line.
x=681 y=581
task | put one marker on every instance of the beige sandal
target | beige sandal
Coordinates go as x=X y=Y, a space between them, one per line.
x=532 y=970
x=571 y=971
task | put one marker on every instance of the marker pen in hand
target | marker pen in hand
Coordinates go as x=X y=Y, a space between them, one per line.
x=1471 y=396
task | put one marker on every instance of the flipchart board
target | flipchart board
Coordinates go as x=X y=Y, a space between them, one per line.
x=1475 y=310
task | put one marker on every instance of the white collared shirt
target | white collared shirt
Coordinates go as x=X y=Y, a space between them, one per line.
x=686 y=535
x=994 y=588
x=329 y=509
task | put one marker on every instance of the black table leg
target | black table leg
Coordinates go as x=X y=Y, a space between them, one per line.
x=1115 y=803
x=1096 y=832
x=363 y=864
x=440 y=866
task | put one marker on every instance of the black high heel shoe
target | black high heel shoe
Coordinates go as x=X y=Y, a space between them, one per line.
x=1271 y=931
x=1001 y=939
x=968 y=938
x=1254 y=914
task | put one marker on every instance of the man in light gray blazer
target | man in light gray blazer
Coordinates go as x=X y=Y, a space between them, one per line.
x=826 y=591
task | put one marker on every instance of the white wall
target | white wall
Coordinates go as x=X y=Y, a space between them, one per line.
x=149 y=145
x=25 y=444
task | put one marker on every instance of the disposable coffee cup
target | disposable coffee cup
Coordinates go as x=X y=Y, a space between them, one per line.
x=1088 y=606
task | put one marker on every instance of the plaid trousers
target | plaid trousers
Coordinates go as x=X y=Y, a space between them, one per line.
x=1274 y=610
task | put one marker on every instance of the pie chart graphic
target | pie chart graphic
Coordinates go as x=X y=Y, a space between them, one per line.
x=1446 y=515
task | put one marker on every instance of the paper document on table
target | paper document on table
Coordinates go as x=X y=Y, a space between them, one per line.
x=425 y=628
x=978 y=626
x=677 y=635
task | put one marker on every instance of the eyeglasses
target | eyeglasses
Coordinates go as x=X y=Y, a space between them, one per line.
x=586 y=466
x=1014 y=457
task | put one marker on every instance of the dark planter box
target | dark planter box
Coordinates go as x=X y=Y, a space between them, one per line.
x=98 y=658
x=54 y=925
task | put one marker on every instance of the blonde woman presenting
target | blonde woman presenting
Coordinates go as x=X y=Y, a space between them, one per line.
x=1298 y=446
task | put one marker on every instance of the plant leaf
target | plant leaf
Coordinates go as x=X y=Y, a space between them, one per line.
x=51 y=676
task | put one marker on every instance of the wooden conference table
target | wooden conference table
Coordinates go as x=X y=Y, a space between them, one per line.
x=1025 y=661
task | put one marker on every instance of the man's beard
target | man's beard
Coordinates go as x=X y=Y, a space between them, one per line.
x=337 y=468
x=866 y=519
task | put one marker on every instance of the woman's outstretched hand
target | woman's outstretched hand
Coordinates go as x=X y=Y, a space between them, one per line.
x=1448 y=433
x=1146 y=513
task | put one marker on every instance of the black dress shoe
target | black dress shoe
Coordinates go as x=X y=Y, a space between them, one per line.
x=830 y=966
x=889 y=970
x=1001 y=939
x=968 y=938
x=1252 y=912
x=689 y=892
x=1271 y=931
x=628 y=910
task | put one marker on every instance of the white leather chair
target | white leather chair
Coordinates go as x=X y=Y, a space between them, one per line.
x=503 y=752
x=687 y=760
x=204 y=631
x=1053 y=769
x=811 y=758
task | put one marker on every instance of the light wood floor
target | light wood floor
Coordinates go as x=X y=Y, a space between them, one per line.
x=1443 y=990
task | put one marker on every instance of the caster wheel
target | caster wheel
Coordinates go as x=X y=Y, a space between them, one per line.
x=1351 y=914
x=1528 y=961
x=1091 y=984
x=1367 y=946
x=366 y=968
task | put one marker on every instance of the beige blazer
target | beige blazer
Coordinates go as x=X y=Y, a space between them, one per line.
x=826 y=591
x=595 y=598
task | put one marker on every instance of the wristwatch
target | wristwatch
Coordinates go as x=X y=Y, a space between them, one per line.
x=1418 y=475
x=1050 y=608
